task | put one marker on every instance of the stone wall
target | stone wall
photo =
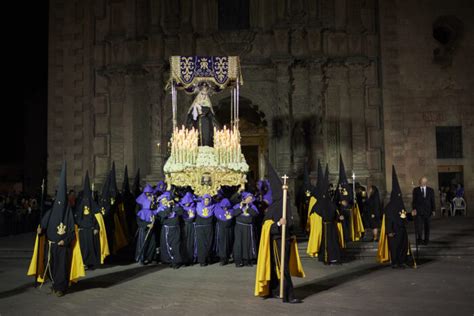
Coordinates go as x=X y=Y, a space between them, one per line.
x=420 y=94
x=312 y=67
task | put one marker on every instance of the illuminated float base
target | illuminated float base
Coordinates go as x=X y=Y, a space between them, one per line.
x=206 y=169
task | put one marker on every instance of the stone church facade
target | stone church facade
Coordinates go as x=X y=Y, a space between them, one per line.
x=324 y=78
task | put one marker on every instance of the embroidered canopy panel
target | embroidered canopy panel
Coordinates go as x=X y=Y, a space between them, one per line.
x=220 y=71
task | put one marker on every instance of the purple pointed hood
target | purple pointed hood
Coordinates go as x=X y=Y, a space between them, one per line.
x=188 y=198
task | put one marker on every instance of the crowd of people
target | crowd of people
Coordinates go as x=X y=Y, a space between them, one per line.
x=171 y=225
x=19 y=213
x=159 y=223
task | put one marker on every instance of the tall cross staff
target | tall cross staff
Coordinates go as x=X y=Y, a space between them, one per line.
x=354 y=187
x=283 y=236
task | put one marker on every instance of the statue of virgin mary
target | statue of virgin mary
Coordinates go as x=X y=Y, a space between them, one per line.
x=202 y=117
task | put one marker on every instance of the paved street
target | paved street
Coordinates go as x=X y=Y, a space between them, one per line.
x=443 y=284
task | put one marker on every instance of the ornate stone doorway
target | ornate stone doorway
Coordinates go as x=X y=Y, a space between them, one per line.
x=254 y=133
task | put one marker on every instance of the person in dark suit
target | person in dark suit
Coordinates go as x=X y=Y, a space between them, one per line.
x=423 y=207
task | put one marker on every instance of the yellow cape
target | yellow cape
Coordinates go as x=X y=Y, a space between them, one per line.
x=340 y=233
x=77 y=265
x=315 y=230
x=37 y=261
x=356 y=224
x=262 y=278
x=312 y=202
x=120 y=240
x=383 y=254
x=104 y=244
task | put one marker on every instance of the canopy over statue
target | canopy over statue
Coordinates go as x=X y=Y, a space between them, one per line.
x=220 y=72
x=203 y=155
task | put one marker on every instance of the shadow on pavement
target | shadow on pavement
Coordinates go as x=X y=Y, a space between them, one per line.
x=324 y=284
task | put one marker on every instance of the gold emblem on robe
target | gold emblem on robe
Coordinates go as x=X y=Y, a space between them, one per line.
x=403 y=214
x=190 y=213
x=86 y=210
x=227 y=215
x=61 y=229
x=205 y=212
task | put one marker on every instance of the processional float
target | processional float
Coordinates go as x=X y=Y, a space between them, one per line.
x=204 y=155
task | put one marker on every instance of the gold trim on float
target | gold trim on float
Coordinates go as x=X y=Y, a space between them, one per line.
x=206 y=180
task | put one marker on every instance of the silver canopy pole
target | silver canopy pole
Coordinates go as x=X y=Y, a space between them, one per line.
x=174 y=103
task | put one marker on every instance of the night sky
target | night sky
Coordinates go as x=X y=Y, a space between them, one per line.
x=25 y=78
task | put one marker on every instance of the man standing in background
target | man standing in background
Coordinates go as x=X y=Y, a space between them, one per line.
x=423 y=207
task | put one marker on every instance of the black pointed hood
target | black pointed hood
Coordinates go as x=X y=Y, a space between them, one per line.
x=113 y=183
x=126 y=183
x=344 y=189
x=320 y=177
x=59 y=221
x=306 y=180
x=323 y=199
x=87 y=199
x=105 y=196
x=275 y=211
x=136 y=184
x=395 y=206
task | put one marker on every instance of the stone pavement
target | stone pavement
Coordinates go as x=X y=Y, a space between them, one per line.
x=443 y=284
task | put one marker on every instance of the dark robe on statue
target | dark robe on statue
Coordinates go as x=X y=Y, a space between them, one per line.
x=204 y=229
x=245 y=250
x=201 y=117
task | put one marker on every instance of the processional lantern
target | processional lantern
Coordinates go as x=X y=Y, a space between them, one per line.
x=204 y=155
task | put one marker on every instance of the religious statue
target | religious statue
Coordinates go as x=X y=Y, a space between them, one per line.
x=201 y=116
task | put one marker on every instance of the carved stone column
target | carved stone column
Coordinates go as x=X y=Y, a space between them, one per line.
x=357 y=99
x=317 y=86
x=159 y=143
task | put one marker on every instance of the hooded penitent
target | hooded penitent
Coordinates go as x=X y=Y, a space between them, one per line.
x=204 y=207
x=223 y=210
x=275 y=211
x=136 y=184
x=59 y=221
x=344 y=192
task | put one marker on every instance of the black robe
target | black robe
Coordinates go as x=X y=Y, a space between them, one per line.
x=372 y=210
x=60 y=256
x=89 y=242
x=288 y=291
x=398 y=244
x=204 y=238
x=224 y=239
x=170 y=238
x=346 y=223
x=145 y=251
x=245 y=250
x=330 y=250
x=188 y=241
x=205 y=125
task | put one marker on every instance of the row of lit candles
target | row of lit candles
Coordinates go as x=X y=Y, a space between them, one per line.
x=227 y=145
x=184 y=145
